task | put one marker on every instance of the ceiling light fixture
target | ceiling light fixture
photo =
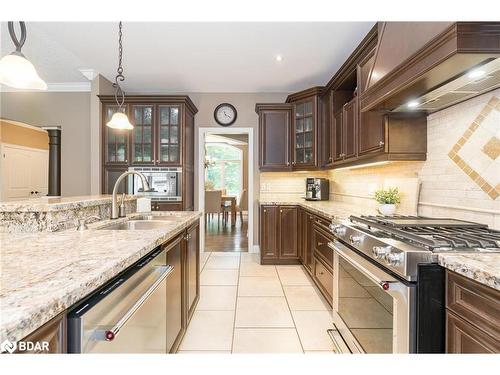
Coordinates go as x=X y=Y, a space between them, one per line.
x=279 y=58
x=412 y=104
x=15 y=69
x=476 y=73
x=119 y=119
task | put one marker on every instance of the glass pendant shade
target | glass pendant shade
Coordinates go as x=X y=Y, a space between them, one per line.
x=16 y=71
x=120 y=121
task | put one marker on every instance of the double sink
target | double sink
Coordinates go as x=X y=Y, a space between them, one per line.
x=141 y=223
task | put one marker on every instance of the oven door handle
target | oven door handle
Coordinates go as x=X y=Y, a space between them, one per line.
x=110 y=334
x=382 y=279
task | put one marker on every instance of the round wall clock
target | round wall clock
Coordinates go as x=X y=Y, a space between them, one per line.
x=225 y=114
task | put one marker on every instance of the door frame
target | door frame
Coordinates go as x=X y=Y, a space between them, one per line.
x=202 y=132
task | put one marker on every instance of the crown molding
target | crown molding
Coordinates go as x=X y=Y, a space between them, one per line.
x=55 y=87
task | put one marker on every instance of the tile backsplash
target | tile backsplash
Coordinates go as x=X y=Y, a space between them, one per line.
x=442 y=186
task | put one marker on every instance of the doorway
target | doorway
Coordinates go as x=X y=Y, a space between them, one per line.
x=225 y=175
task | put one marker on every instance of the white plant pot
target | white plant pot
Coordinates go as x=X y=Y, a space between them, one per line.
x=387 y=209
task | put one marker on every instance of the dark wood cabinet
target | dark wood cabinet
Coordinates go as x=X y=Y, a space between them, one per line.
x=175 y=299
x=371 y=132
x=308 y=249
x=142 y=136
x=115 y=141
x=304 y=134
x=192 y=269
x=111 y=174
x=163 y=136
x=278 y=234
x=269 y=233
x=288 y=247
x=323 y=277
x=163 y=206
x=53 y=333
x=274 y=136
x=350 y=129
x=472 y=316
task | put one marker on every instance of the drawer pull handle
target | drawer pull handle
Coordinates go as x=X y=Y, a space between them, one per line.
x=321 y=244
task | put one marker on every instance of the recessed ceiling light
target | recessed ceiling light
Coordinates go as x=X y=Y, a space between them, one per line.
x=279 y=58
x=412 y=104
x=476 y=73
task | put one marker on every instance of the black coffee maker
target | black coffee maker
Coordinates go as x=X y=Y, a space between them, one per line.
x=317 y=189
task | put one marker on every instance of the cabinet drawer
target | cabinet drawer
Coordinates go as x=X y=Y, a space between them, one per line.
x=463 y=337
x=320 y=243
x=323 y=224
x=324 y=278
x=474 y=302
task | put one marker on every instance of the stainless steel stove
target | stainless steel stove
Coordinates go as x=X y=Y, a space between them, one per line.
x=400 y=243
x=388 y=290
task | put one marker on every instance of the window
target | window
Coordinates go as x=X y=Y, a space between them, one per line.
x=224 y=168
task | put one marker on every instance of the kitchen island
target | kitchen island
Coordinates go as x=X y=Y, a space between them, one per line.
x=45 y=273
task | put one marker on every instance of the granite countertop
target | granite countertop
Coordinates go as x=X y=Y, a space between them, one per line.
x=329 y=209
x=481 y=267
x=42 y=274
x=46 y=204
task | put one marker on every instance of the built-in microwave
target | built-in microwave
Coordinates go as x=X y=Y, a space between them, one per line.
x=165 y=183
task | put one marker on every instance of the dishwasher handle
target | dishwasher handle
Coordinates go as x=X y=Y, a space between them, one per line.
x=110 y=334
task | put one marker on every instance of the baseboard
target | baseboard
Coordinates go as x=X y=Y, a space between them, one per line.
x=256 y=249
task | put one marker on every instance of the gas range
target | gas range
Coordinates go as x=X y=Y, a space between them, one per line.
x=401 y=243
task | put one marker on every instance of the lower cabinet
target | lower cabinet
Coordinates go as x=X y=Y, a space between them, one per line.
x=293 y=235
x=472 y=316
x=164 y=206
x=192 y=269
x=175 y=324
x=49 y=339
x=278 y=235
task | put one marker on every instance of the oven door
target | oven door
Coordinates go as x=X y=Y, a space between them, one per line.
x=373 y=311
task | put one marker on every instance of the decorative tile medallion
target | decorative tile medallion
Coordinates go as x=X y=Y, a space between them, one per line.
x=477 y=151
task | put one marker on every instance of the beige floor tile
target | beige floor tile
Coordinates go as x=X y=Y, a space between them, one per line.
x=234 y=254
x=221 y=263
x=203 y=352
x=217 y=298
x=304 y=298
x=250 y=258
x=312 y=326
x=209 y=330
x=255 y=269
x=293 y=275
x=203 y=259
x=266 y=340
x=260 y=286
x=263 y=312
x=219 y=277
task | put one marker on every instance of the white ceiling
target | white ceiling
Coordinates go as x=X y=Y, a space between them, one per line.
x=193 y=57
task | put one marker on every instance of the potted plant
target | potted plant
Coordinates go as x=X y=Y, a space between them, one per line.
x=388 y=198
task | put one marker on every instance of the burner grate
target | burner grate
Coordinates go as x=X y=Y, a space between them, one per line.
x=434 y=233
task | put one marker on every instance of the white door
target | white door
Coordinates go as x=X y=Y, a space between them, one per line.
x=24 y=172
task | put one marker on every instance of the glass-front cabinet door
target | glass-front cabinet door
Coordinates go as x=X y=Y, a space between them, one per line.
x=169 y=135
x=116 y=141
x=304 y=135
x=142 y=118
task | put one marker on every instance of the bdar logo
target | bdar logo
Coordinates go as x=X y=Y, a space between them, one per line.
x=8 y=346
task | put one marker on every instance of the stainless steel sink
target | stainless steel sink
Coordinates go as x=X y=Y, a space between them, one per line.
x=156 y=218
x=136 y=225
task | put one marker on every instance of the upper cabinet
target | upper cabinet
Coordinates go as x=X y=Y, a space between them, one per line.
x=143 y=134
x=169 y=135
x=274 y=136
x=115 y=142
x=305 y=128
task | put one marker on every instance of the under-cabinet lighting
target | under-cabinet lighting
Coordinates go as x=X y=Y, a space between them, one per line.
x=412 y=104
x=364 y=165
x=476 y=73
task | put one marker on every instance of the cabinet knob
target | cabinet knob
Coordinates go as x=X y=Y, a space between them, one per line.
x=381 y=143
x=293 y=163
x=157 y=160
x=281 y=210
x=265 y=210
x=126 y=160
x=287 y=163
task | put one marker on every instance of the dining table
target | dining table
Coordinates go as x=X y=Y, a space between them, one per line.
x=232 y=200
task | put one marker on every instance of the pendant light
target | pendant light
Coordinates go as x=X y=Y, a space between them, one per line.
x=15 y=69
x=119 y=120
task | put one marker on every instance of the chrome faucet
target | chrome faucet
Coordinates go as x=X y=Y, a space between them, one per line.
x=114 y=204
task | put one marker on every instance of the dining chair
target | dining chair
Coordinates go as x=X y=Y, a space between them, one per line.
x=242 y=204
x=213 y=202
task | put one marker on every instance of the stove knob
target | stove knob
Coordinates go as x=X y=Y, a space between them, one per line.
x=379 y=252
x=355 y=240
x=337 y=229
x=394 y=258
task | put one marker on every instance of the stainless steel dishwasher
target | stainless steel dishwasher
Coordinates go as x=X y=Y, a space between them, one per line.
x=127 y=314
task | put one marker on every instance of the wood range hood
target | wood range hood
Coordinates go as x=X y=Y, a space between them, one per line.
x=431 y=65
